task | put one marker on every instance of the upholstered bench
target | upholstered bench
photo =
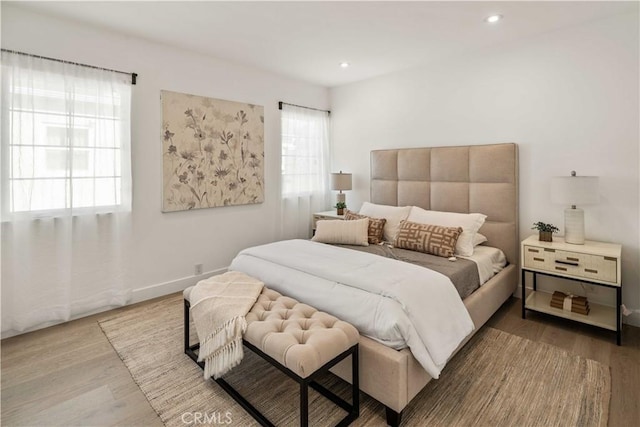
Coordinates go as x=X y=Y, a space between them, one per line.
x=300 y=341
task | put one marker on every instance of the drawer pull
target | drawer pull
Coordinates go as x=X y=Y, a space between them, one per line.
x=533 y=250
x=588 y=270
x=610 y=258
x=538 y=259
x=572 y=259
x=561 y=268
x=549 y=250
x=575 y=264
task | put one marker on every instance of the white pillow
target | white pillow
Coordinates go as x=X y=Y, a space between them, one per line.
x=479 y=239
x=355 y=232
x=470 y=224
x=393 y=215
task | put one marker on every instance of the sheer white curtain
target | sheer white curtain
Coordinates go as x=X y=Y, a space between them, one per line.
x=305 y=168
x=66 y=190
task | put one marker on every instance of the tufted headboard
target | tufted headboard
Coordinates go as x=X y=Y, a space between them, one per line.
x=474 y=178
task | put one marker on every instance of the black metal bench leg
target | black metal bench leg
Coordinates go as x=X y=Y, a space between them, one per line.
x=304 y=404
x=189 y=350
x=186 y=326
x=355 y=383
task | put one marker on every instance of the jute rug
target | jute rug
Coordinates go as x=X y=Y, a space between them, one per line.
x=497 y=379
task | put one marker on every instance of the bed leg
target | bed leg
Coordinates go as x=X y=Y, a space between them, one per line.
x=186 y=326
x=393 y=418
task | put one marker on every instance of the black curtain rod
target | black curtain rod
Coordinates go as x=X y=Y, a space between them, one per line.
x=280 y=103
x=133 y=75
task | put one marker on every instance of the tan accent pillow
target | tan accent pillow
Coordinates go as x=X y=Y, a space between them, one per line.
x=376 y=226
x=427 y=238
x=342 y=232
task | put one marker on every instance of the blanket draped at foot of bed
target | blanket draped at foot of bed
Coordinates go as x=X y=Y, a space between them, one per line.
x=219 y=305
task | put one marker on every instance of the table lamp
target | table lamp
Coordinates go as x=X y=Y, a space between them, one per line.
x=341 y=182
x=574 y=190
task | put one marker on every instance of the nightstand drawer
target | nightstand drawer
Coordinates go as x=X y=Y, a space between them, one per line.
x=536 y=257
x=586 y=266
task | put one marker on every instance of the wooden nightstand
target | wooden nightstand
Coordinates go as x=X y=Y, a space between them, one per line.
x=595 y=263
x=325 y=215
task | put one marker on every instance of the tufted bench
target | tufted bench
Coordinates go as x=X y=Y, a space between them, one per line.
x=300 y=341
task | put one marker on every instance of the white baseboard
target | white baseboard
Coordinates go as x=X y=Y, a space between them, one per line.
x=633 y=319
x=137 y=295
x=166 y=288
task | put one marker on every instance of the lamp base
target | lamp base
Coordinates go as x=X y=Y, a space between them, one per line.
x=341 y=197
x=574 y=226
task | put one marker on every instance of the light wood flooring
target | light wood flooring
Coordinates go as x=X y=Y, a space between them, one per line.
x=69 y=375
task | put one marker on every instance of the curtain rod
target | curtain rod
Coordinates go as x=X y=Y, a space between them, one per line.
x=280 y=103
x=133 y=75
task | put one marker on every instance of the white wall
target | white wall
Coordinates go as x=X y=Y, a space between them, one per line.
x=163 y=248
x=569 y=98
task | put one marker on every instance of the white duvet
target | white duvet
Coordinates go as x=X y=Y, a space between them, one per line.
x=376 y=294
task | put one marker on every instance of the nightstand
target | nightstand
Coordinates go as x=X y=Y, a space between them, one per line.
x=595 y=263
x=325 y=215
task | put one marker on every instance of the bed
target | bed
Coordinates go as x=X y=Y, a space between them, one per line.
x=465 y=179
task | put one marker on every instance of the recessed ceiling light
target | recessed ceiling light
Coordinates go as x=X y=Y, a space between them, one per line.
x=344 y=64
x=493 y=19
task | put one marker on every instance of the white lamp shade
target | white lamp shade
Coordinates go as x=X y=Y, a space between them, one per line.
x=574 y=190
x=341 y=181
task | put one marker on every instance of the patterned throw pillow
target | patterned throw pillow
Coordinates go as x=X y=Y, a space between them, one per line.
x=427 y=238
x=376 y=226
x=470 y=224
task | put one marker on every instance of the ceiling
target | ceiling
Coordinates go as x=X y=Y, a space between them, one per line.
x=308 y=40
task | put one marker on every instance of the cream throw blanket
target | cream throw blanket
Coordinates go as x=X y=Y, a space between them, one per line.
x=219 y=305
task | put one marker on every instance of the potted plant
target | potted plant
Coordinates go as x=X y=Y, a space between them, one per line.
x=341 y=206
x=545 y=231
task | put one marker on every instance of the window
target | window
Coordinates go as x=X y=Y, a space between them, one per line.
x=66 y=137
x=305 y=147
x=305 y=168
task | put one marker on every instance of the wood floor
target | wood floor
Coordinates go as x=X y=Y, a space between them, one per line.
x=69 y=375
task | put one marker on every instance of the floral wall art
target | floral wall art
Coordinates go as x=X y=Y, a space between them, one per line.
x=213 y=152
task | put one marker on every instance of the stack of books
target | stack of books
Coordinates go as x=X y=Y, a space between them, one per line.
x=578 y=305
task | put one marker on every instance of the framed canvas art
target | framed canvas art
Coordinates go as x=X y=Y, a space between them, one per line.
x=212 y=151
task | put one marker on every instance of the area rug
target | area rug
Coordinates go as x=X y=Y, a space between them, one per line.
x=497 y=379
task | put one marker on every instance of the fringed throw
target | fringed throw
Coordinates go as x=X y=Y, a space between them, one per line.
x=219 y=306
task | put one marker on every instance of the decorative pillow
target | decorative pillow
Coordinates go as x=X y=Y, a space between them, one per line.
x=393 y=215
x=479 y=239
x=470 y=224
x=342 y=232
x=376 y=226
x=427 y=238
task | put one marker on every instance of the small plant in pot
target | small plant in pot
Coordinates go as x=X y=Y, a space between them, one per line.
x=341 y=206
x=545 y=231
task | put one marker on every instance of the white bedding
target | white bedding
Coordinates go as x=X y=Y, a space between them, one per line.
x=381 y=297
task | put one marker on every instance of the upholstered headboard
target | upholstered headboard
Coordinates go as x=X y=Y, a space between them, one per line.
x=475 y=178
